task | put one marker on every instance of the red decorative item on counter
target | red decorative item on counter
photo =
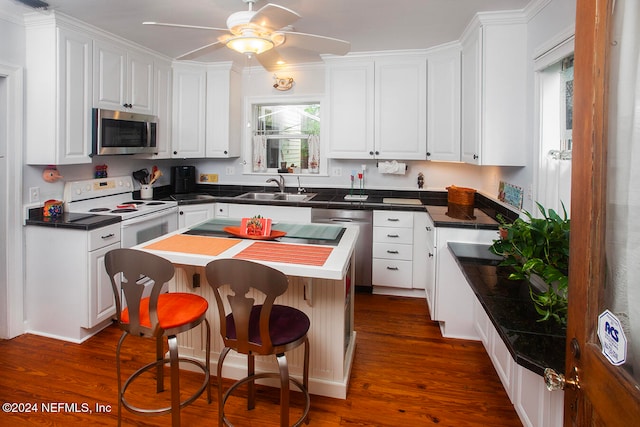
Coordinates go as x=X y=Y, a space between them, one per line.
x=52 y=208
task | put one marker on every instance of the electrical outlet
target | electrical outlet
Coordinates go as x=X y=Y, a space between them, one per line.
x=230 y=170
x=336 y=171
x=34 y=194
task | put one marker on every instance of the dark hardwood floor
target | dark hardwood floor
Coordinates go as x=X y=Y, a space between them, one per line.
x=405 y=374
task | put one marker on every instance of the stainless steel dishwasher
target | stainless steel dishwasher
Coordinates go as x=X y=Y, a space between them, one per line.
x=363 y=251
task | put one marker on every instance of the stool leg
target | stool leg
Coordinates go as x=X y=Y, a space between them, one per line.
x=284 y=389
x=160 y=367
x=122 y=337
x=223 y=354
x=175 y=381
x=305 y=372
x=208 y=358
x=251 y=370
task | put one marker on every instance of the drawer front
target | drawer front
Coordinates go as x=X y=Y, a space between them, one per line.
x=393 y=235
x=104 y=236
x=392 y=219
x=395 y=273
x=393 y=251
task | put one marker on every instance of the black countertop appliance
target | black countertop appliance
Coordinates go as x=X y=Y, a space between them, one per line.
x=183 y=179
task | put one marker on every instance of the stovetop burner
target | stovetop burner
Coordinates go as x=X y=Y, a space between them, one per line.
x=124 y=210
x=99 y=210
x=155 y=203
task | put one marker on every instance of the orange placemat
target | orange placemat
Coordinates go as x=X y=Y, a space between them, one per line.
x=199 y=245
x=291 y=254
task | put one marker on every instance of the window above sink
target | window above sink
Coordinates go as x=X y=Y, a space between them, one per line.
x=285 y=137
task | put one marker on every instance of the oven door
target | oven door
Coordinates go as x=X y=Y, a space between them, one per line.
x=146 y=227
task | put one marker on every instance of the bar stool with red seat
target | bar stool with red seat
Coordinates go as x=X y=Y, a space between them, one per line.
x=258 y=329
x=156 y=316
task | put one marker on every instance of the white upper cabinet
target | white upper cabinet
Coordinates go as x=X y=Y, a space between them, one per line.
x=377 y=108
x=207 y=109
x=124 y=78
x=58 y=92
x=494 y=91
x=163 y=107
x=224 y=111
x=189 y=108
x=443 y=104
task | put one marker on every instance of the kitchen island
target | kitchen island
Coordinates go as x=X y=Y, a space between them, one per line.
x=318 y=261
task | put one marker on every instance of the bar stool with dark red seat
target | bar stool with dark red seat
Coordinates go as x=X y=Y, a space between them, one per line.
x=258 y=329
x=157 y=316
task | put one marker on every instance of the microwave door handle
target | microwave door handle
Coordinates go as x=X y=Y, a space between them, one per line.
x=148 y=217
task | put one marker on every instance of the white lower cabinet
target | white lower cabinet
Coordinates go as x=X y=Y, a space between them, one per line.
x=189 y=215
x=67 y=287
x=535 y=405
x=276 y=213
x=451 y=297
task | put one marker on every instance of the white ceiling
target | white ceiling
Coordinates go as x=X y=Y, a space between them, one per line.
x=370 y=25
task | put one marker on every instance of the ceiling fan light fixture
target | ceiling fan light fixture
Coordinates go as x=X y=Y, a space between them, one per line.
x=250 y=44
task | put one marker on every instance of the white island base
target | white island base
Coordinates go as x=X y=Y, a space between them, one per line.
x=329 y=305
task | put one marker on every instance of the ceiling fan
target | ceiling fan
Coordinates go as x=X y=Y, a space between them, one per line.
x=263 y=33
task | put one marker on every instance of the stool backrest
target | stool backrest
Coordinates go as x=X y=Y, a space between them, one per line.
x=130 y=270
x=243 y=276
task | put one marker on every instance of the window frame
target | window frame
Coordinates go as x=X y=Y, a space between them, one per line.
x=248 y=130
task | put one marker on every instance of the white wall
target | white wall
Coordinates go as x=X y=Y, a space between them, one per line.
x=547 y=19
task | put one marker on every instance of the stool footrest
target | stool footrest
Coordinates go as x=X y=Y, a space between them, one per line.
x=245 y=380
x=161 y=411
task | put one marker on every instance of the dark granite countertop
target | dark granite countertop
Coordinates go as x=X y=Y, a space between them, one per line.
x=434 y=202
x=534 y=345
x=77 y=221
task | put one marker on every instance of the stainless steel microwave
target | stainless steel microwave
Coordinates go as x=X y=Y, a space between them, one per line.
x=121 y=132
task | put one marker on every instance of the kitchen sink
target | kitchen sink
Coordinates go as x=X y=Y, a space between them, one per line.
x=287 y=197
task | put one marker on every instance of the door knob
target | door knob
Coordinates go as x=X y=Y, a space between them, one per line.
x=555 y=381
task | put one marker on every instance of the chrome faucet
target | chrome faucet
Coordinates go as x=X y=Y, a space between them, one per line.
x=279 y=183
x=300 y=188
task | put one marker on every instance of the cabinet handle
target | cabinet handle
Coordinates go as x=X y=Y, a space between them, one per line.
x=181 y=213
x=371 y=153
x=392 y=252
x=127 y=105
x=428 y=228
x=392 y=235
x=430 y=255
x=475 y=157
x=393 y=268
x=428 y=154
x=377 y=153
x=175 y=153
x=108 y=236
x=393 y=219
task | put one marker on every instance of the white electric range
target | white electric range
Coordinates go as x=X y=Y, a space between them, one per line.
x=141 y=220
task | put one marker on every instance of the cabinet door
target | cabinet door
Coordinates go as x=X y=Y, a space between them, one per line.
x=401 y=109
x=224 y=111
x=163 y=108
x=471 y=92
x=189 y=92
x=443 y=105
x=101 y=302
x=140 y=79
x=74 y=98
x=194 y=214
x=351 y=107
x=110 y=73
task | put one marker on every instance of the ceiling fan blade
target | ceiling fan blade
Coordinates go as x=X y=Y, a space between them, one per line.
x=197 y=27
x=273 y=17
x=200 y=51
x=316 y=43
x=270 y=60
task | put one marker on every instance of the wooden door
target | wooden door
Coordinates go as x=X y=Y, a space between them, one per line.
x=608 y=394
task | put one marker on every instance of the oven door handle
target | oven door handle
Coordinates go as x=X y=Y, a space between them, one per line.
x=148 y=217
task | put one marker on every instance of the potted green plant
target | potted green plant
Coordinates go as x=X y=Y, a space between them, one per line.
x=539 y=248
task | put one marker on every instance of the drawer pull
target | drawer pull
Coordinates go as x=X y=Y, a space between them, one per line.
x=428 y=228
x=392 y=252
x=392 y=235
x=393 y=268
x=430 y=255
x=393 y=219
x=108 y=236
